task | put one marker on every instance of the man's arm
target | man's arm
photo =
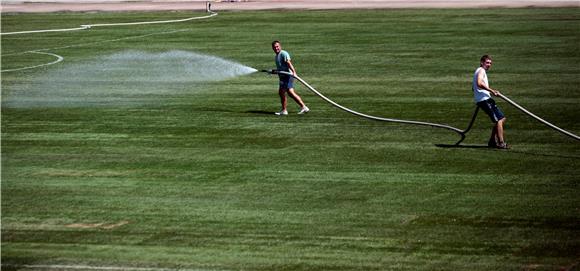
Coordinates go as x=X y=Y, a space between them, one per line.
x=481 y=84
x=291 y=66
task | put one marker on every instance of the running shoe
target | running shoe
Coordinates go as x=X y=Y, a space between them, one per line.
x=503 y=145
x=304 y=110
x=282 y=113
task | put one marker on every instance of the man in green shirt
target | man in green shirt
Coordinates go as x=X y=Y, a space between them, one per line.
x=283 y=63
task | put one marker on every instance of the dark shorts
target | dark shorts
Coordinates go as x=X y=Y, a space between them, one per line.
x=286 y=82
x=490 y=108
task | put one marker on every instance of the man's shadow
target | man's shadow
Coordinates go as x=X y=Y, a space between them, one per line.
x=260 y=112
x=453 y=146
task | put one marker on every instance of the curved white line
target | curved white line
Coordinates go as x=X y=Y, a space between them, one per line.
x=45 y=31
x=98 y=42
x=88 y=26
x=58 y=59
x=152 y=22
x=39 y=51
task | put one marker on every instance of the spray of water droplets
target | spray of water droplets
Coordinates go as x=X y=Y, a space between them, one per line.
x=129 y=77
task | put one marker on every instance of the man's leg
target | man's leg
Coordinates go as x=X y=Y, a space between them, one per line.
x=296 y=98
x=493 y=141
x=283 y=99
x=499 y=131
x=497 y=134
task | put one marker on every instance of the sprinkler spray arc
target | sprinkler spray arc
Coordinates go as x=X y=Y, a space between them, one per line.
x=461 y=133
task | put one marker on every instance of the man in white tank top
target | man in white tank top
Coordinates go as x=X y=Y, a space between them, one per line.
x=482 y=95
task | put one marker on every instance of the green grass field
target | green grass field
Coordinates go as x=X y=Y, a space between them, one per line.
x=204 y=179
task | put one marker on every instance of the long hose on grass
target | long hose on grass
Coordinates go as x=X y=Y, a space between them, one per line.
x=538 y=118
x=460 y=132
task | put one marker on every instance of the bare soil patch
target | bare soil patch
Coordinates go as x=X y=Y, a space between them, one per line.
x=200 y=5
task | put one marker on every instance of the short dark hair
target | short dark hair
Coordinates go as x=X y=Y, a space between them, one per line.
x=484 y=58
x=274 y=42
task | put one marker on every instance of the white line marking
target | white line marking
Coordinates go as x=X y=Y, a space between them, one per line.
x=106 y=268
x=45 y=31
x=88 y=26
x=153 y=22
x=58 y=59
x=98 y=42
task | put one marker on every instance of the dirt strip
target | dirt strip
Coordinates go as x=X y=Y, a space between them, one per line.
x=10 y=6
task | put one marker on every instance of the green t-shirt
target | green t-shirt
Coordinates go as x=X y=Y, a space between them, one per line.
x=281 y=61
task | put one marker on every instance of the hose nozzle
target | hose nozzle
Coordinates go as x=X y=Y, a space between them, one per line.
x=270 y=71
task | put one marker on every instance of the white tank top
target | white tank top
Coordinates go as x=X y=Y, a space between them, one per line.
x=480 y=94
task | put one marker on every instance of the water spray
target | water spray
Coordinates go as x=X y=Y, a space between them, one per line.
x=129 y=77
x=461 y=133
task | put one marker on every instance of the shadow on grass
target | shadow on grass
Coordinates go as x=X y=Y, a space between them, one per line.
x=450 y=146
x=260 y=112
